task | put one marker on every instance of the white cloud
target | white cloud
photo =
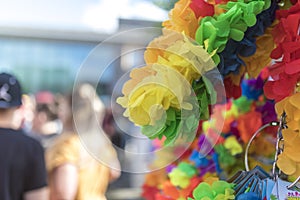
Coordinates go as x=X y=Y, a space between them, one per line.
x=93 y=15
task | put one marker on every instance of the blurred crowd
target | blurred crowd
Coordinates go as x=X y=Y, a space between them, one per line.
x=55 y=146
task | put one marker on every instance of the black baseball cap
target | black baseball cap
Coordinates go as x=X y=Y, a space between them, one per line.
x=10 y=91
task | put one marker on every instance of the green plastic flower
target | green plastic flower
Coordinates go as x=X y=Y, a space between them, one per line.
x=214 y=32
x=219 y=190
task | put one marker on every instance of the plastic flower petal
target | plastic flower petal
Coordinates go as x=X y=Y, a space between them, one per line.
x=285 y=72
x=198 y=159
x=243 y=104
x=203 y=190
x=170 y=190
x=214 y=32
x=288 y=161
x=189 y=169
x=232 y=90
x=180 y=53
x=149 y=192
x=248 y=124
x=179 y=178
x=182 y=19
x=252 y=88
x=226 y=159
x=233 y=145
x=219 y=190
x=261 y=57
x=201 y=8
x=287 y=165
x=291 y=144
x=158 y=91
x=158 y=45
x=188 y=59
x=137 y=75
x=283 y=86
x=290 y=105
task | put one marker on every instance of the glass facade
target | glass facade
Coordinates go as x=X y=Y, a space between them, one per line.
x=42 y=64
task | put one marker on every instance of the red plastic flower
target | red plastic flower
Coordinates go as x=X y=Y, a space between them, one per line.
x=286 y=72
x=283 y=86
x=201 y=8
x=149 y=192
x=231 y=89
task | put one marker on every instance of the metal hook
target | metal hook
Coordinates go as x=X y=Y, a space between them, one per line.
x=293 y=184
x=282 y=125
x=252 y=138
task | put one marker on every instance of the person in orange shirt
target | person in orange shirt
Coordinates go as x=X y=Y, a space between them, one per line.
x=82 y=161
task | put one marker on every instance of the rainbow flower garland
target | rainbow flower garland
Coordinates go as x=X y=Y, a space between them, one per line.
x=172 y=56
x=239 y=38
x=206 y=162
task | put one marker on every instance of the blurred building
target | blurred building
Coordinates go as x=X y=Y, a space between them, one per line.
x=46 y=44
x=51 y=59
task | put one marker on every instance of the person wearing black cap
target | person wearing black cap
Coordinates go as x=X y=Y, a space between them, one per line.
x=22 y=164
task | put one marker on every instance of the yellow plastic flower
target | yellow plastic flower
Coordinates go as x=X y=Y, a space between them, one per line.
x=291 y=106
x=233 y=112
x=262 y=145
x=233 y=145
x=148 y=100
x=261 y=58
x=137 y=75
x=179 y=178
x=182 y=19
x=289 y=160
x=188 y=58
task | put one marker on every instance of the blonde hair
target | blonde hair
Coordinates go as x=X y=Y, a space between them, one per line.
x=87 y=107
x=88 y=114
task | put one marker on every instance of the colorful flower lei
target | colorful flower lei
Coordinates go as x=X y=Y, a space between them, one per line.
x=237 y=38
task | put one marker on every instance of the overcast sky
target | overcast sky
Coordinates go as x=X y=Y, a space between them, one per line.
x=96 y=15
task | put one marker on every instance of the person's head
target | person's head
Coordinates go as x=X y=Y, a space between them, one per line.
x=82 y=107
x=10 y=101
x=45 y=110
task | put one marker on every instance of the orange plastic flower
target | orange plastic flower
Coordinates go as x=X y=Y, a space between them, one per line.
x=156 y=178
x=261 y=58
x=182 y=19
x=248 y=124
x=158 y=46
x=170 y=190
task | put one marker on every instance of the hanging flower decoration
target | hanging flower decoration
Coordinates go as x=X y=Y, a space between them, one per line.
x=239 y=38
x=152 y=101
x=288 y=160
x=291 y=106
x=213 y=154
x=285 y=72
